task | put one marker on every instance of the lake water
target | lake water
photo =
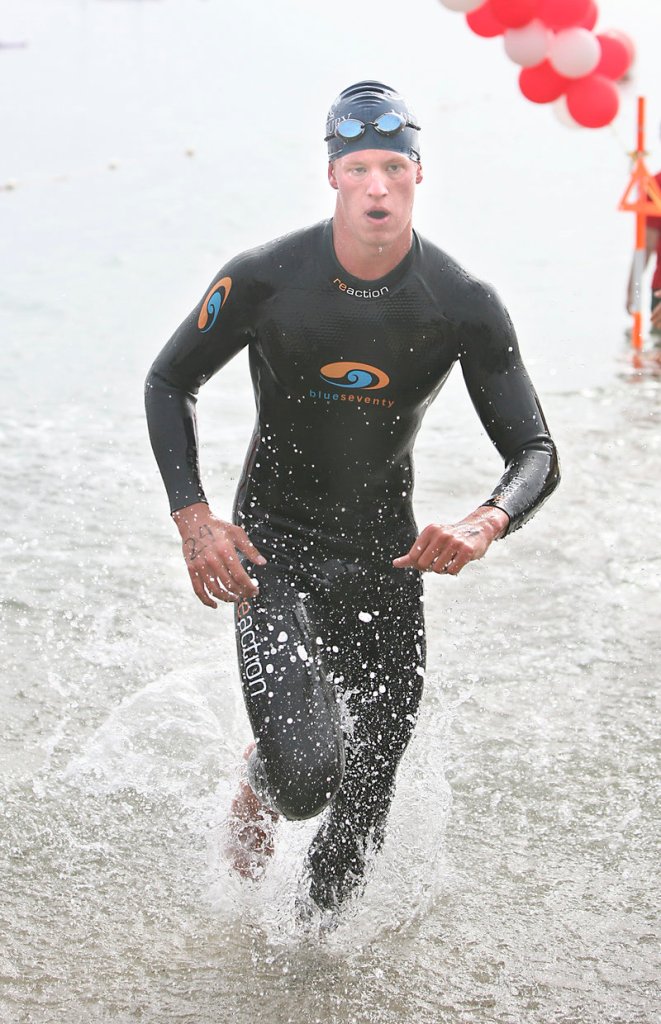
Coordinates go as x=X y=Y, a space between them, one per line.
x=144 y=143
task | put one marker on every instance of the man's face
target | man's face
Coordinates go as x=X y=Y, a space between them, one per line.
x=375 y=189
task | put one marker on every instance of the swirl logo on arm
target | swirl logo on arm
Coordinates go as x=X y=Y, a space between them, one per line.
x=213 y=303
x=354 y=375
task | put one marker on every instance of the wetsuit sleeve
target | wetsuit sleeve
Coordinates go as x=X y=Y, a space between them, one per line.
x=208 y=338
x=509 y=409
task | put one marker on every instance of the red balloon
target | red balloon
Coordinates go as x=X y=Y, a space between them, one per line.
x=593 y=101
x=615 y=56
x=617 y=33
x=542 y=83
x=590 y=19
x=483 y=22
x=515 y=13
x=559 y=14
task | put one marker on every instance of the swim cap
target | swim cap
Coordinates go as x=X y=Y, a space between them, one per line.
x=365 y=102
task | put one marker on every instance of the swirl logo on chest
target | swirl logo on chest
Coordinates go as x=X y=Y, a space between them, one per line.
x=213 y=303
x=348 y=374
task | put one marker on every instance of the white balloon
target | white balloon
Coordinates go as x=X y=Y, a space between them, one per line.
x=575 y=52
x=529 y=45
x=466 y=6
x=561 y=111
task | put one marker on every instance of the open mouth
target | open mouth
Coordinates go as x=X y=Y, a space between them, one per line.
x=377 y=214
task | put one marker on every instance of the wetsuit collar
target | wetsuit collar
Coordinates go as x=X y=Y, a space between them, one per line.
x=357 y=286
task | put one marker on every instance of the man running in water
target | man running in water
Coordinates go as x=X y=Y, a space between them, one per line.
x=352 y=327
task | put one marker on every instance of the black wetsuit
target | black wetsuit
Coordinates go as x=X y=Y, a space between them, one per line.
x=332 y=649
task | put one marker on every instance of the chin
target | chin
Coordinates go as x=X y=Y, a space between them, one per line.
x=386 y=233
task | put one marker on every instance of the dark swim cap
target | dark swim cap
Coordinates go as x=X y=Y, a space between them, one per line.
x=365 y=101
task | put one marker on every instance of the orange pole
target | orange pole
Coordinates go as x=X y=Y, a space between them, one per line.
x=642 y=197
x=640 y=256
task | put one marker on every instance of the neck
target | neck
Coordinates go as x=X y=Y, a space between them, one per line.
x=368 y=261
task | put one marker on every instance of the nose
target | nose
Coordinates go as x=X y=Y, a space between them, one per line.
x=376 y=187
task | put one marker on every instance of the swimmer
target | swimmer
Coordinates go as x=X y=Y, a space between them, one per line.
x=352 y=327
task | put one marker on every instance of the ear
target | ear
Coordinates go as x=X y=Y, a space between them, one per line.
x=418 y=174
x=332 y=180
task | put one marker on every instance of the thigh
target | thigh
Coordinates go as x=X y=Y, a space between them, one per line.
x=379 y=651
x=377 y=645
x=289 y=696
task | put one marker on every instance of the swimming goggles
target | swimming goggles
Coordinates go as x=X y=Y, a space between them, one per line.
x=385 y=124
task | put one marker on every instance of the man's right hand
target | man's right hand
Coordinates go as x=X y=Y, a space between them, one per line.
x=210 y=549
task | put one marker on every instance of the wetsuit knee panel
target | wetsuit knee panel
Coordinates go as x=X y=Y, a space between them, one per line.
x=297 y=791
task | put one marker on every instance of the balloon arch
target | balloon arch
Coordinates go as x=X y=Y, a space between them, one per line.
x=562 y=60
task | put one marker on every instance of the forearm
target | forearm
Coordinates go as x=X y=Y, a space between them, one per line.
x=530 y=476
x=173 y=434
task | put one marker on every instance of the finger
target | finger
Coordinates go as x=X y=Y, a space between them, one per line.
x=200 y=592
x=433 y=545
x=219 y=581
x=225 y=595
x=441 y=565
x=410 y=559
x=212 y=585
x=234 y=576
x=243 y=543
x=223 y=592
x=438 y=550
x=455 y=565
x=459 y=558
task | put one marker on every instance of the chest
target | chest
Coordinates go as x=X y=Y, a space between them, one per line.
x=390 y=347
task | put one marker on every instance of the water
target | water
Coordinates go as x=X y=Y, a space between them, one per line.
x=520 y=876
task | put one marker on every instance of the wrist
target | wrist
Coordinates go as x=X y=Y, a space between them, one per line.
x=191 y=516
x=494 y=520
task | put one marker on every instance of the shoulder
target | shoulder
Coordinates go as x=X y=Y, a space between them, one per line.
x=470 y=298
x=256 y=274
x=281 y=253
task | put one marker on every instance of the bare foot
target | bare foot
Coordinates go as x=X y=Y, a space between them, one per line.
x=251 y=828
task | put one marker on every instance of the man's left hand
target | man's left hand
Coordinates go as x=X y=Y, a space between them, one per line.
x=448 y=548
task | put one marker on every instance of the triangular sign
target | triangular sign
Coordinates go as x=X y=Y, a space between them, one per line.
x=642 y=181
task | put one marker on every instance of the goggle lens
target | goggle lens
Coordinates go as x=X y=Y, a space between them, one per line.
x=389 y=124
x=350 y=129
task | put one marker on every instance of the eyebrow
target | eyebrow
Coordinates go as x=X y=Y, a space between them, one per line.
x=394 y=159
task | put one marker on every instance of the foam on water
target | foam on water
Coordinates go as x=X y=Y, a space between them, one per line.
x=178 y=739
x=401 y=882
